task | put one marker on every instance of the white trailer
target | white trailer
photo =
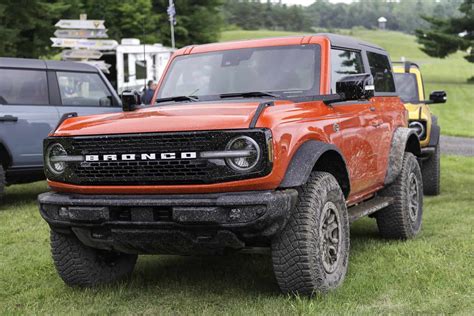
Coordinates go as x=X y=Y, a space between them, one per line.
x=136 y=64
x=128 y=65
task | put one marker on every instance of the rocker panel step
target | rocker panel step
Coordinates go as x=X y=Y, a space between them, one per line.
x=368 y=207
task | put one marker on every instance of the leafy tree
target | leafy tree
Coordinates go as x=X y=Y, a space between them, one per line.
x=198 y=21
x=27 y=25
x=125 y=18
x=447 y=36
x=402 y=15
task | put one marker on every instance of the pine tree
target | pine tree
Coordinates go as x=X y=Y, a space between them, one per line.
x=447 y=36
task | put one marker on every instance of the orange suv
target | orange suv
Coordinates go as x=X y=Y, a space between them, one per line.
x=263 y=145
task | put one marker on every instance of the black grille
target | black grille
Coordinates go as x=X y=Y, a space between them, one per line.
x=141 y=143
x=144 y=172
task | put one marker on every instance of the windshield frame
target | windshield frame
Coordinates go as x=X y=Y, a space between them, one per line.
x=283 y=94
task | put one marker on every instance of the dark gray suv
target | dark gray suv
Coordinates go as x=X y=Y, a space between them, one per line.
x=34 y=95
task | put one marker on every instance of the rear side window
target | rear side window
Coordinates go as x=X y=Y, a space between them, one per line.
x=407 y=87
x=382 y=72
x=83 y=89
x=344 y=63
x=23 y=87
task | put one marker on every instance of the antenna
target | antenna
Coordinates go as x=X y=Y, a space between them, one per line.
x=144 y=52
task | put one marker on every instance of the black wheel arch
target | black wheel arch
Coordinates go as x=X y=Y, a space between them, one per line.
x=435 y=132
x=5 y=157
x=315 y=155
x=404 y=140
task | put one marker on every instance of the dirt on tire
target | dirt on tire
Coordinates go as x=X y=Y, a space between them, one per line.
x=82 y=266
x=298 y=252
x=402 y=219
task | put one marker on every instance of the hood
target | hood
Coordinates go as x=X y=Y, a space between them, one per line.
x=165 y=118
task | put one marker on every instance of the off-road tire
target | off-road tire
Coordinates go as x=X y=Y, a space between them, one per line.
x=82 y=266
x=2 y=183
x=298 y=251
x=402 y=219
x=430 y=171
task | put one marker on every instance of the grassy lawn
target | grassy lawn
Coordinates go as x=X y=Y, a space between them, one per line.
x=456 y=117
x=431 y=274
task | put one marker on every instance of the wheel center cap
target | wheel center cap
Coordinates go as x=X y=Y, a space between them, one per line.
x=330 y=234
x=413 y=194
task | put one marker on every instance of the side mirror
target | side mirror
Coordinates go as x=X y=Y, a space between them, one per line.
x=130 y=100
x=438 y=97
x=356 y=87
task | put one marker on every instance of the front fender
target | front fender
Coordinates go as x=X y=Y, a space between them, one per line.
x=435 y=132
x=404 y=139
x=305 y=159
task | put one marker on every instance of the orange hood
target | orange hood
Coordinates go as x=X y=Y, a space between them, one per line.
x=165 y=118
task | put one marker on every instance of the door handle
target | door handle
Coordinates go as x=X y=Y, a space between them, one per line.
x=372 y=109
x=8 y=118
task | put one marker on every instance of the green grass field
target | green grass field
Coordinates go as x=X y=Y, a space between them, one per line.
x=431 y=274
x=456 y=117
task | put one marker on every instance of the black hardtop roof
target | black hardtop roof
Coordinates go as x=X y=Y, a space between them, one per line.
x=404 y=63
x=351 y=42
x=337 y=40
x=24 y=63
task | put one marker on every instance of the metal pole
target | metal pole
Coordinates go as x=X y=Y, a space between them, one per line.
x=144 y=55
x=172 y=26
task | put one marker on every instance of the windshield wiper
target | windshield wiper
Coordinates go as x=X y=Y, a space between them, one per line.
x=248 y=94
x=191 y=98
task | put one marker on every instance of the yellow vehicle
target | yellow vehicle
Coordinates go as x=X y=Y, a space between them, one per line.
x=409 y=84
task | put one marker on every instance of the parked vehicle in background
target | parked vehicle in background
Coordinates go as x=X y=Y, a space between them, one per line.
x=409 y=83
x=34 y=95
x=274 y=144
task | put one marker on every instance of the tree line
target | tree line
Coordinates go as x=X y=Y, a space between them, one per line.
x=27 y=25
x=402 y=15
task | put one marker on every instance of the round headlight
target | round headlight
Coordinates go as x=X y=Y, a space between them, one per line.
x=418 y=128
x=250 y=153
x=51 y=155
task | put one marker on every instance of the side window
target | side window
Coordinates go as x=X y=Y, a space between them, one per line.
x=344 y=63
x=83 y=89
x=23 y=87
x=382 y=72
x=407 y=86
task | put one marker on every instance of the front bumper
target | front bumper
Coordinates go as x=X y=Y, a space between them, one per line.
x=170 y=224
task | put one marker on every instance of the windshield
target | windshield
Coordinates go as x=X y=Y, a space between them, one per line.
x=282 y=70
x=407 y=87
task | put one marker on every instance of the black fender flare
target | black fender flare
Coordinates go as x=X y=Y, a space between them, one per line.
x=435 y=132
x=304 y=160
x=5 y=156
x=404 y=139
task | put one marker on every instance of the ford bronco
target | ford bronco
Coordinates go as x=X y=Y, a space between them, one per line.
x=34 y=95
x=409 y=84
x=263 y=145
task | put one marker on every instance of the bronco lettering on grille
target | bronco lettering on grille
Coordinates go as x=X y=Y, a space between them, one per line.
x=145 y=156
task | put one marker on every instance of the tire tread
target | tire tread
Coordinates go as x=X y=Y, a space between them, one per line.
x=393 y=221
x=79 y=265
x=293 y=250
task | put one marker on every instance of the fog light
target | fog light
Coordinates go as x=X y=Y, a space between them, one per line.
x=235 y=214
x=63 y=212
